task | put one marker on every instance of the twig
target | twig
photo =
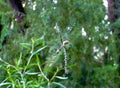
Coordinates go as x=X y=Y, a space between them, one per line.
x=62 y=46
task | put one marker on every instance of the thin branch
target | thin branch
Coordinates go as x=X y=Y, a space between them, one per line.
x=62 y=46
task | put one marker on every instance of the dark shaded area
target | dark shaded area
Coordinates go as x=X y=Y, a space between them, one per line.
x=17 y=5
x=20 y=14
x=4 y=41
x=19 y=10
x=111 y=14
x=114 y=15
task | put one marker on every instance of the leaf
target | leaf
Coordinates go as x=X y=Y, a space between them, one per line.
x=7 y=83
x=31 y=73
x=38 y=60
x=25 y=45
x=39 y=50
x=59 y=77
x=59 y=84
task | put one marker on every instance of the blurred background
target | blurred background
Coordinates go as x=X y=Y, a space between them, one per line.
x=59 y=44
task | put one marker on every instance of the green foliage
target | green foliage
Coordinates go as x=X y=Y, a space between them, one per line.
x=70 y=36
x=108 y=78
x=4 y=13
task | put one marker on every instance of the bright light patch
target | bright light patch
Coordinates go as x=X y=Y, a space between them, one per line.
x=23 y=4
x=95 y=49
x=105 y=3
x=69 y=28
x=103 y=21
x=34 y=6
x=95 y=57
x=105 y=37
x=12 y=25
x=100 y=54
x=106 y=17
x=90 y=38
x=106 y=48
x=111 y=32
x=96 y=28
x=55 y=1
x=83 y=32
x=108 y=23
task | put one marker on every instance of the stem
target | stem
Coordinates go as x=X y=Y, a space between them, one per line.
x=43 y=73
x=22 y=80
